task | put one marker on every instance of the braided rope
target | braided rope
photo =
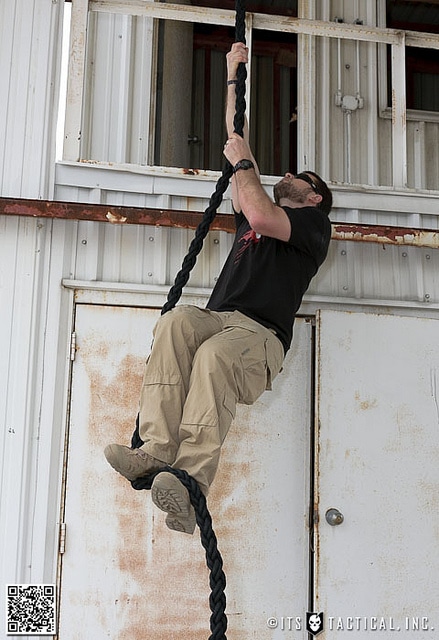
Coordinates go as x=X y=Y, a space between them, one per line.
x=216 y=198
x=217 y=580
x=197 y=243
x=214 y=561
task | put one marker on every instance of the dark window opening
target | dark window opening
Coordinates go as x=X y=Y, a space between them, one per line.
x=272 y=7
x=273 y=99
x=191 y=92
x=422 y=65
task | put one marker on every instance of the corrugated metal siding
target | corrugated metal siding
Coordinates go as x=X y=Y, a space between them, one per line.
x=18 y=279
x=29 y=45
x=117 y=88
x=38 y=255
x=352 y=270
x=23 y=261
x=138 y=255
x=423 y=156
x=153 y=255
x=35 y=321
x=370 y=143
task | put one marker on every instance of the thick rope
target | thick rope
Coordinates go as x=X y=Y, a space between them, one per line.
x=197 y=243
x=202 y=230
x=217 y=581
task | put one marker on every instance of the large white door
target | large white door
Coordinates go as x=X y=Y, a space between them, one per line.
x=124 y=574
x=377 y=463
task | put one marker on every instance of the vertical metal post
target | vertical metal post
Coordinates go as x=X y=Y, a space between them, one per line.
x=249 y=42
x=75 y=80
x=174 y=118
x=419 y=154
x=399 y=114
x=347 y=116
x=306 y=111
x=372 y=102
x=325 y=105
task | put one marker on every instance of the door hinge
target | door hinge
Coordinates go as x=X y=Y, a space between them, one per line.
x=62 y=537
x=73 y=346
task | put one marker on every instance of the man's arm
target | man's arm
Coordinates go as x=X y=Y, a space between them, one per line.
x=262 y=214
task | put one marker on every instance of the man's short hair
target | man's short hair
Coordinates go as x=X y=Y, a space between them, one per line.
x=326 y=204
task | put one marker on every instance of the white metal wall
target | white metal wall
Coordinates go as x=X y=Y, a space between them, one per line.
x=35 y=317
x=37 y=256
x=363 y=138
x=118 y=86
x=30 y=38
x=358 y=271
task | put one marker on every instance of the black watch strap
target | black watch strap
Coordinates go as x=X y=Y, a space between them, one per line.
x=243 y=164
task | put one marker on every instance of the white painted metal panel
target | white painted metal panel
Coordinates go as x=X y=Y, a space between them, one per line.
x=118 y=72
x=377 y=463
x=125 y=575
x=29 y=69
x=380 y=149
x=19 y=344
x=352 y=271
x=32 y=384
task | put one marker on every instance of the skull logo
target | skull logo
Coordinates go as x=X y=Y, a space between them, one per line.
x=314 y=623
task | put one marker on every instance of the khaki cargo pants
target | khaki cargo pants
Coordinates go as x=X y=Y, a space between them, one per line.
x=201 y=365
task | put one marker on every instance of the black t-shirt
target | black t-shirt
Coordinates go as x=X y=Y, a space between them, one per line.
x=265 y=278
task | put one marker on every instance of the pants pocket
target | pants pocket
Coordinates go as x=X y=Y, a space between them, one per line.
x=274 y=353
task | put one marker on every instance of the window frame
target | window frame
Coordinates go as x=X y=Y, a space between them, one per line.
x=417 y=39
x=306 y=30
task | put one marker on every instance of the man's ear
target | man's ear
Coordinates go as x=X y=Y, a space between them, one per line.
x=315 y=198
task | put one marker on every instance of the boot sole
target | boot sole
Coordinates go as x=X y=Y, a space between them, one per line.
x=169 y=495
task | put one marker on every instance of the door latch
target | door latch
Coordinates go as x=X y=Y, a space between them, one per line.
x=334 y=517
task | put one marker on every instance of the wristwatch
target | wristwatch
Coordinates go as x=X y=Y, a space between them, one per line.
x=243 y=164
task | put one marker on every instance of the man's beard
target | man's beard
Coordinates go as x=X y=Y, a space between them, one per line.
x=286 y=189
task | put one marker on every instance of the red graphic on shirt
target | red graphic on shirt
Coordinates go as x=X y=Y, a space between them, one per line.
x=245 y=242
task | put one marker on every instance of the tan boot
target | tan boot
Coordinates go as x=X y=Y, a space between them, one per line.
x=131 y=463
x=169 y=495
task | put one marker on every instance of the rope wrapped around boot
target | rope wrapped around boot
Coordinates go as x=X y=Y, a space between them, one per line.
x=214 y=561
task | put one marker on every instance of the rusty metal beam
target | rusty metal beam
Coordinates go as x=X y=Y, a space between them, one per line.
x=111 y=214
x=350 y=232
x=380 y=234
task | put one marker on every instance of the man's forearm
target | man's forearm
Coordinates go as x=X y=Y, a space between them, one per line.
x=262 y=214
x=253 y=197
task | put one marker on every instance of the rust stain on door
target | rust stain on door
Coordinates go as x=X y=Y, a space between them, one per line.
x=127 y=575
x=168 y=569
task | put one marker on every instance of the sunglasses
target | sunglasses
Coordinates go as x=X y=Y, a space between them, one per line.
x=305 y=177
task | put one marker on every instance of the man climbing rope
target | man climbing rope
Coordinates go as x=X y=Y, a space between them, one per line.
x=205 y=361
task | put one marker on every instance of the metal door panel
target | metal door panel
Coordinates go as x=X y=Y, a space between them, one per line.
x=125 y=575
x=378 y=464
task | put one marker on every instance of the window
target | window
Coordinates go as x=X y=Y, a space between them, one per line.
x=422 y=65
x=276 y=7
x=273 y=99
x=192 y=133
